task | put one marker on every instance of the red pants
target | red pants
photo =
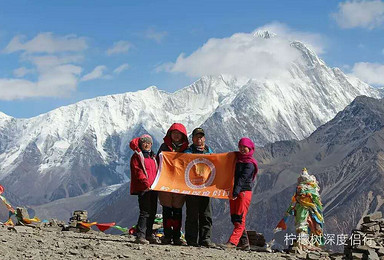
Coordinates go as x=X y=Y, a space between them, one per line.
x=239 y=209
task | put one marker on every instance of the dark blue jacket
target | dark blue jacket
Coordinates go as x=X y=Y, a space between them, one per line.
x=243 y=178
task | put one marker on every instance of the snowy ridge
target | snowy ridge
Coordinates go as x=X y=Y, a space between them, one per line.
x=55 y=131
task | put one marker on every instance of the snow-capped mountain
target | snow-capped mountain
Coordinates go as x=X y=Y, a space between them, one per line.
x=346 y=155
x=74 y=149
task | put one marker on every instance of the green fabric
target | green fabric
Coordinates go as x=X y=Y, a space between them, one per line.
x=121 y=228
x=301 y=213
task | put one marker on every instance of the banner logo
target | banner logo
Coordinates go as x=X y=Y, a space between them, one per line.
x=200 y=173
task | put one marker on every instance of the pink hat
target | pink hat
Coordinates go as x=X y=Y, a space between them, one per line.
x=145 y=138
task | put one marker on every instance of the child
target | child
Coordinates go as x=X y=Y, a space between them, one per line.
x=175 y=140
x=245 y=173
x=143 y=173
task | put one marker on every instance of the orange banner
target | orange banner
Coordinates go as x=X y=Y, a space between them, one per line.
x=208 y=175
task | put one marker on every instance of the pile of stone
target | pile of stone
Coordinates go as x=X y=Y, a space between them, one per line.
x=74 y=224
x=21 y=213
x=22 y=217
x=368 y=241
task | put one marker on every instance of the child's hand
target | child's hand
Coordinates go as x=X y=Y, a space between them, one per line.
x=234 y=198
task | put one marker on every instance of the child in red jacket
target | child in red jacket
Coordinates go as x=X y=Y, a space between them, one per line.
x=245 y=173
x=143 y=173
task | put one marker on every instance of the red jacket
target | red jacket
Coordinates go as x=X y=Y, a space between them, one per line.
x=143 y=170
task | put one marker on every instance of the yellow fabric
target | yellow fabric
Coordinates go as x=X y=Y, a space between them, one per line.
x=30 y=220
x=88 y=225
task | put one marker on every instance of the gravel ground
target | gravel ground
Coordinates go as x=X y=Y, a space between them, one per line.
x=52 y=243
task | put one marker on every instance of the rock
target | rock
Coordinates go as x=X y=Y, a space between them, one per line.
x=336 y=257
x=256 y=239
x=369 y=224
x=357 y=255
x=73 y=252
x=260 y=249
x=362 y=249
x=372 y=228
x=375 y=216
x=313 y=256
x=372 y=255
x=87 y=247
x=295 y=250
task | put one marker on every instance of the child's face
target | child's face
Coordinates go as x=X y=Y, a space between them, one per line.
x=243 y=149
x=176 y=136
x=146 y=146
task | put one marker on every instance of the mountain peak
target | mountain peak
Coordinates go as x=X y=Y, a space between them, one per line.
x=4 y=117
x=264 y=34
x=362 y=117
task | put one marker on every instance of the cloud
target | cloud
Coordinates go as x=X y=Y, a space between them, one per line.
x=119 y=47
x=53 y=61
x=121 y=68
x=372 y=73
x=57 y=81
x=21 y=72
x=154 y=35
x=244 y=54
x=47 y=43
x=49 y=61
x=97 y=73
x=364 y=14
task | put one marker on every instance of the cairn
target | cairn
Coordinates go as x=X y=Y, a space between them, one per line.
x=78 y=217
x=368 y=241
x=21 y=214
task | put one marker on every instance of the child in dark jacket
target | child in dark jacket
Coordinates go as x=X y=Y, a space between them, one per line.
x=143 y=173
x=245 y=173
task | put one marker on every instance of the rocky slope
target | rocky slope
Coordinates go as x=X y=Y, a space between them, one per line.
x=345 y=155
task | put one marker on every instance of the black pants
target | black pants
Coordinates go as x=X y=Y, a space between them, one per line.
x=148 y=209
x=198 y=223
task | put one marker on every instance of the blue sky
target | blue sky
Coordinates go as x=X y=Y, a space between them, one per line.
x=55 y=53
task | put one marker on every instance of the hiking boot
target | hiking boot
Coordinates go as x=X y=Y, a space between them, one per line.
x=153 y=240
x=191 y=243
x=207 y=243
x=244 y=247
x=141 y=240
x=229 y=245
x=179 y=242
x=166 y=241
